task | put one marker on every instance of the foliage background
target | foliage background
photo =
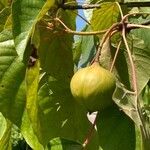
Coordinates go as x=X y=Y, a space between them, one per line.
x=36 y=66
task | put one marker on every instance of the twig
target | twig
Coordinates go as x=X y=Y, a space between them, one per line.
x=121 y=13
x=92 y=6
x=135 y=26
x=68 y=30
x=134 y=14
x=116 y=54
x=82 y=18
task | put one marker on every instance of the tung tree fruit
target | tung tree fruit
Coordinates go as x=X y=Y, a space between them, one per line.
x=93 y=87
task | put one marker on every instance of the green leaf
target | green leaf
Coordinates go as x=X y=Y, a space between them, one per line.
x=88 y=49
x=63 y=116
x=55 y=48
x=138 y=139
x=12 y=73
x=116 y=130
x=5 y=142
x=3 y=4
x=32 y=81
x=3 y=125
x=55 y=114
x=25 y=15
x=58 y=115
x=141 y=54
x=4 y=14
x=105 y=16
x=28 y=133
x=63 y=144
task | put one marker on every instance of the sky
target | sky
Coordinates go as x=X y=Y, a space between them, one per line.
x=79 y=22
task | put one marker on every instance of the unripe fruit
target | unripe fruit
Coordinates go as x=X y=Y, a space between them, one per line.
x=93 y=87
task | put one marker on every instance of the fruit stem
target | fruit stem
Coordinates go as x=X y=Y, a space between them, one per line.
x=104 y=38
x=90 y=133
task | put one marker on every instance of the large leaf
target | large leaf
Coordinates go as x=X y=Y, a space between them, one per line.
x=25 y=14
x=30 y=117
x=12 y=72
x=55 y=50
x=105 y=16
x=58 y=115
x=116 y=130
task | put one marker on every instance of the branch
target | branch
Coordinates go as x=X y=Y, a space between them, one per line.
x=84 y=6
x=135 y=4
x=92 y=6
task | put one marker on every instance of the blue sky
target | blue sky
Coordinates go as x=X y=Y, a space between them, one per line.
x=79 y=22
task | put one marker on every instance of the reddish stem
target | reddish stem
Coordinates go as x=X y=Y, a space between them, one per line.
x=90 y=133
x=106 y=35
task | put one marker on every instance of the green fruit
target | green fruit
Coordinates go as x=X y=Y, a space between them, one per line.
x=93 y=87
